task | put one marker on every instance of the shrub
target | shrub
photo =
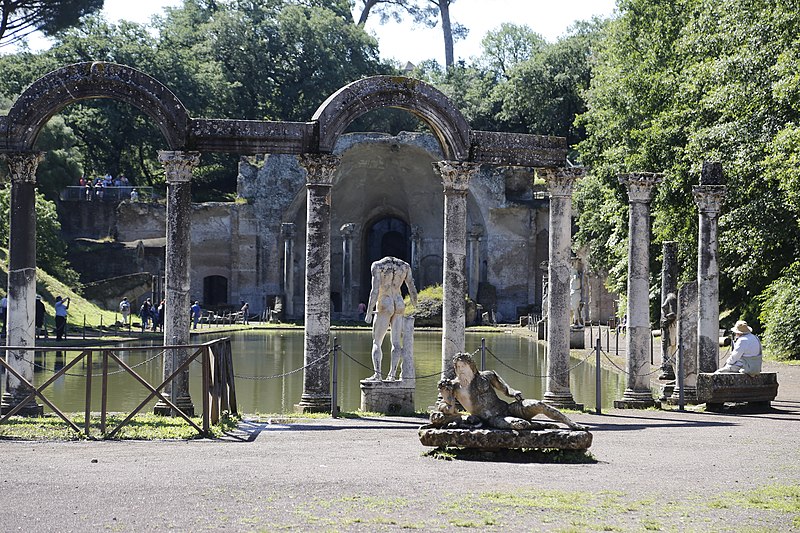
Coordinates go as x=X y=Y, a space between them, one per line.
x=428 y=311
x=780 y=307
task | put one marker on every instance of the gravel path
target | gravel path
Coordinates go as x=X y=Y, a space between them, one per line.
x=654 y=470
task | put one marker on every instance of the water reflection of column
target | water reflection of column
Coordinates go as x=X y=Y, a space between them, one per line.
x=640 y=190
x=21 y=279
x=708 y=196
x=288 y=231
x=474 y=259
x=455 y=178
x=347 y=231
x=416 y=238
x=320 y=170
x=559 y=182
x=178 y=169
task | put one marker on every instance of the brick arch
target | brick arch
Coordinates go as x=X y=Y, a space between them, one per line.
x=376 y=92
x=81 y=81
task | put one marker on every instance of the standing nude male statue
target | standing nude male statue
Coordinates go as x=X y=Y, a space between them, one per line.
x=387 y=306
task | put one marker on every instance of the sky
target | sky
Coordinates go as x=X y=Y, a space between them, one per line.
x=403 y=42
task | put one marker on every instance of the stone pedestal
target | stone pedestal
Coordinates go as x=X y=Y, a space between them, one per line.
x=577 y=338
x=506 y=439
x=21 y=280
x=717 y=389
x=388 y=397
x=638 y=394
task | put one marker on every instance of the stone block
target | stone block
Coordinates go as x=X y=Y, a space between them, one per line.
x=493 y=439
x=577 y=338
x=716 y=389
x=388 y=397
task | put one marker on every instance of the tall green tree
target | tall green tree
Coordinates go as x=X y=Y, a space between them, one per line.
x=20 y=18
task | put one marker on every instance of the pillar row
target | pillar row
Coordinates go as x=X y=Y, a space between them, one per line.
x=560 y=183
x=320 y=169
x=21 y=279
x=178 y=167
x=640 y=190
x=455 y=179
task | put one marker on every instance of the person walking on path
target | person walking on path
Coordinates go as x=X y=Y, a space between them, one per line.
x=195 y=312
x=245 y=312
x=125 y=311
x=61 y=317
x=40 y=313
x=144 y=313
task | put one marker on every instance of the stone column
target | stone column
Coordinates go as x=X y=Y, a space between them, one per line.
x=559 y=183
x=474 y=259
x=687 y=338
x=669 y=309
x=455 y=178
x=320 y=169
x=288 y=231
x=708 y=196
x=640 y=189
x=178 y=169
x=416 y=251
x=21 y=279
x=347 y=231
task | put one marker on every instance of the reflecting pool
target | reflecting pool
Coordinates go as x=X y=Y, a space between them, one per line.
x=264 y=362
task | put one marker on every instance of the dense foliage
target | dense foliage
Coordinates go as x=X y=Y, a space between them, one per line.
x=19 y=18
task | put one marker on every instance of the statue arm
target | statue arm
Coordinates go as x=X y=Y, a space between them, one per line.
x=447 y=403
x=373 y=295
x=501 y=386
x=412 y=290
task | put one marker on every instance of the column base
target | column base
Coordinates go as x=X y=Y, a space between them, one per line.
x=316 y=404
x=183 y=403
x=689 y=396
x=635 y=400
x=562 y=400
x=31 y=409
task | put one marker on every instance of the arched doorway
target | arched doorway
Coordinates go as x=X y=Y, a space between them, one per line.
x=389 y=236
x=215 y=290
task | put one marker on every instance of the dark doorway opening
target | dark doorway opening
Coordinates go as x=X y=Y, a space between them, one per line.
x=215 y=290
x=388 y=236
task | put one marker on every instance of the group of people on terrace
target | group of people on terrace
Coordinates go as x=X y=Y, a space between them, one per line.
x=96 y=189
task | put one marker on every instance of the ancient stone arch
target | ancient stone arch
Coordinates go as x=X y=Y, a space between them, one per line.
x=81 y=81
x=414 y=96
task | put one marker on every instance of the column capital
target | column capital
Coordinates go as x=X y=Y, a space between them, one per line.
x=456 y=174
x=22 y=165
x=476 y=232
x=320 y=168
x=288 y=230
x=640 y=185
x=347 y=230
x=416 y=231
x=178 y=164
x=709 y=198
x=560 y=180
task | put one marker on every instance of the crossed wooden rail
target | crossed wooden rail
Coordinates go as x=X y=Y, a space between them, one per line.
x=218 y=386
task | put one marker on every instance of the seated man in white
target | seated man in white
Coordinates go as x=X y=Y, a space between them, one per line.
x=746 y=355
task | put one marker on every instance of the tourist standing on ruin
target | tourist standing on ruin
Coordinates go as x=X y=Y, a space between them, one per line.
x=61 y=317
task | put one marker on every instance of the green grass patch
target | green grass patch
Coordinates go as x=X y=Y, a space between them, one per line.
x=142 y=427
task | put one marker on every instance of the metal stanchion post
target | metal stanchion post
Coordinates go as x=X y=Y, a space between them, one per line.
x=335 y=384
x=597 y=391
x=680 y=376
x=172 y=383
x=483 y=353
x=608 y=337
x=84 y=327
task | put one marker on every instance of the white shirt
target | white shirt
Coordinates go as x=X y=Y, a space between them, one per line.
x=746 y=345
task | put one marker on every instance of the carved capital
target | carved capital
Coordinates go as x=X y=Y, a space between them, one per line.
x=476 y=232
x=640 y=185
x=22 y=165
x=320 y=168
x=348 y=230
x=709 y=198
x=288 y=230
x=456 y=175
x=560 y=180
x=178 y=165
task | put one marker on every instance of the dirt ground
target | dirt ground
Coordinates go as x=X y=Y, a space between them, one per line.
x=652 y=471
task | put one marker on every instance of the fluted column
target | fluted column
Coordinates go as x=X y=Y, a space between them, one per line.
x=178 y=167
x=347 y=231
x=288 y=231
x=560 y=182
x=475 y=259
x=21 y=279
x=416 y=247
x=455 y=178
x=708 y=196
x=320 y=169
x=640 y=187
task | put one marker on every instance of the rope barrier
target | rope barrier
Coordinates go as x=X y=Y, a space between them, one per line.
x=567 y=371
x=608 y=358
x=275 y=376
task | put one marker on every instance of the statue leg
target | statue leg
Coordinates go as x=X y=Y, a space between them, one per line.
x=531 y=408
x=397 y=350
x=380 y=325
x=508 y=422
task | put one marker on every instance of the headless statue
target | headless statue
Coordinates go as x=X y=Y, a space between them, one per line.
x=386 y=308
x=477 y=393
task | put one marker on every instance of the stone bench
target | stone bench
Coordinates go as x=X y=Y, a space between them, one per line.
x=717 y=389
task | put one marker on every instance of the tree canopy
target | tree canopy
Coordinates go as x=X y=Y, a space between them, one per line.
x=20 y=18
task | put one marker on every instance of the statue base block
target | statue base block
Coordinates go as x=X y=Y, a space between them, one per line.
x=505 y=439
x=577 y=338
x=717 y=389
x=388 y=397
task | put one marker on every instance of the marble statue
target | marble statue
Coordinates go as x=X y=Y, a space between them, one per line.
x=477 y=392
x=575 y=302
x=385 y=309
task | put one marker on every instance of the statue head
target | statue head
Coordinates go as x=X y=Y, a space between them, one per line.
x=463 y=361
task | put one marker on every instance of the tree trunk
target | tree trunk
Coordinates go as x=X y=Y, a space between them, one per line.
x=444 y=10
x=368 y=5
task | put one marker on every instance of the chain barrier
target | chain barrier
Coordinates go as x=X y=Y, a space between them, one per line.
x=567 y=371
x=275 y=376
x=120 y=371
x=671 y=360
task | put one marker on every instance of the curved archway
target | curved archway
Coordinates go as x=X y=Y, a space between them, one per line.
x=431 y=106
x=51 y=93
